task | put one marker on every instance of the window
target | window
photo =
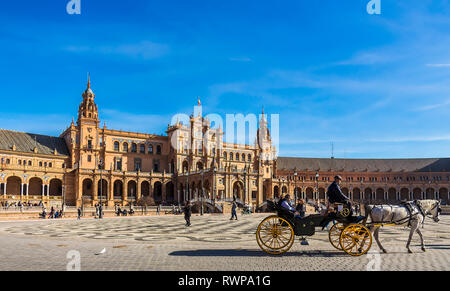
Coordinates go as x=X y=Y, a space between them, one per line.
x=89 y=158
x=125 y=147
x=116 y=146
x=89 y=144
x=249 y=158
x=231 y=156
x=243 y=157
x=158 y=149
x=133 y=148
x=50 y=165
x=29 y=163
x=237 y=157
x=20 y=162
x=142 y=148
x=225 y=155
x=40 y=164
x=150 y=149
x=156 y=165
x=119 y=164
x=137 y=164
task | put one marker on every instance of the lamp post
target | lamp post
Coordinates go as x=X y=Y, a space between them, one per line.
x=100 y=208
x=317 y=186
x=295 y=188
x=203 y=188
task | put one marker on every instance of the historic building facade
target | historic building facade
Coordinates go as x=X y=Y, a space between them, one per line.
x=89 y=163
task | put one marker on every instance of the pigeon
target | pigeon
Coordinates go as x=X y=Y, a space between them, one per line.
x=101 y=252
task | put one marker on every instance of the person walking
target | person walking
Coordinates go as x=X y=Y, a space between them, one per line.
x=187 y=213
x=158 y=209
x=233 y=209
x=79 y=213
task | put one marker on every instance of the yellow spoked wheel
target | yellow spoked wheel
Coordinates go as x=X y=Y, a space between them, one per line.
x=275 y=235
x=334 y=235
x=355 y=240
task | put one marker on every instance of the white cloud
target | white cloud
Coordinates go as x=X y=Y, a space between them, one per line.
x=142 y=50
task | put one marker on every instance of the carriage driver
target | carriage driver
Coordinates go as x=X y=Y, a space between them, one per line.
x=335 y=194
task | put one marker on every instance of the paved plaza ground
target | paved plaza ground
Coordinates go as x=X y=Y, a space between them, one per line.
x=213 y=242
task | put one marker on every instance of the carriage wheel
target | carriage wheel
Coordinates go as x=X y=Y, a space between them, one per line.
x=275 y=235
x=355 y=240
x=334 y=235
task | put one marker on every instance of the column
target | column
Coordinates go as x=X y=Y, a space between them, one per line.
x=4 y=188
x=48 y=190
x=125 y=191
x=138 y=190
x=43 y=189
x=27 y=188
x=95 y=192
x=110 y=193
x=21 y=191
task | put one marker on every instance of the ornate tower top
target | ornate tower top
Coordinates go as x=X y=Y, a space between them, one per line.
x=87 y=110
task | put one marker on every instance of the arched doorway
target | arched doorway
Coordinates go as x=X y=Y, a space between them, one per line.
x=35 y=186
x=55 y=187
x=404 y=194
x=321 y=194
x=417 y=193
x=357 y=194
x=309 y=193
x=13 y=185
x=132 y=190
x=157 y=191
x=102 y=189
x=367 y=194
x=170 y=192
x=392 y=195
x=430 y=194
x=87 y=189
x=145 y=188
x=443 y=195
x=379 y=195
x=238 y=190
x=118 y=190
x=276 y=192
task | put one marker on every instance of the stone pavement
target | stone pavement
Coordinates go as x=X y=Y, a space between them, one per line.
x=213 y=242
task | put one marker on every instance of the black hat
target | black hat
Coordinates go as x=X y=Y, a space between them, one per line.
x=338 y=177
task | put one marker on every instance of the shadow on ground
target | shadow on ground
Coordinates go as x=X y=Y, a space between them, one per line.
x=252 y=253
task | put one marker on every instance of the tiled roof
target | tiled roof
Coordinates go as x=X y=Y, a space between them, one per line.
x=25 y=142
x=363 y=165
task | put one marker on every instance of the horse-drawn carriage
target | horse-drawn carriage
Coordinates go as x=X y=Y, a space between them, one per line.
x=276 y=233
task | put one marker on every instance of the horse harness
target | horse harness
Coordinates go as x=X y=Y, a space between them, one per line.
x=411 y=213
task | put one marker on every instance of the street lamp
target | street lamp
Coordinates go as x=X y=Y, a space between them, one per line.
x=295 y=187
x=317 y=186
x=100 y=208
x=203 y=189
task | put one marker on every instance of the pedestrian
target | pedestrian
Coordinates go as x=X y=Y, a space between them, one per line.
x=79 y=213
x=187 y=213
x=233 y=209
x=158 y=209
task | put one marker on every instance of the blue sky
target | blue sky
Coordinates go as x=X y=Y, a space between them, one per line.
x=377 y=86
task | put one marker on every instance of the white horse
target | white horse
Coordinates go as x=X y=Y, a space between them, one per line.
x=411 y=214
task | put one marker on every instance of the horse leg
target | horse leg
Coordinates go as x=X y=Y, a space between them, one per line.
x=413 y=229
x=375 y=234
x=421 y=238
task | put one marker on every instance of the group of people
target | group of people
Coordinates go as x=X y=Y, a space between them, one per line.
x=334 y=194
x=54 y=213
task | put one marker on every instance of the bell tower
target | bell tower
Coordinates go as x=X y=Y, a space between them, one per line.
x=87 y=111
x=87 y=139
x=264 y=145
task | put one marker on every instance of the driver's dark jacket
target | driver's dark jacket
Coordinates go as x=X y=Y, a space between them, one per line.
x=335 y=194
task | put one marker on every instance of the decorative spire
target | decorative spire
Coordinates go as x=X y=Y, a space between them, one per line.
x=198 y=101
x=89 y=81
